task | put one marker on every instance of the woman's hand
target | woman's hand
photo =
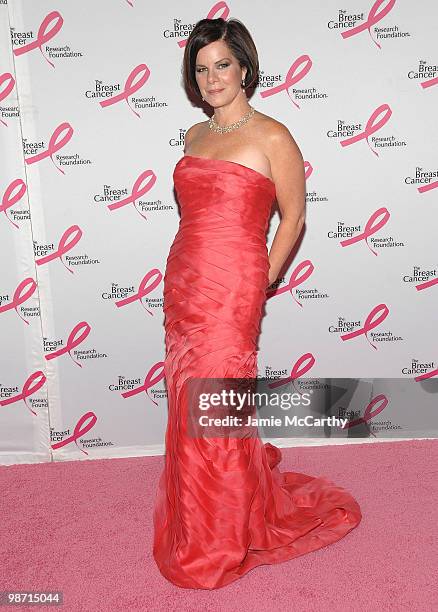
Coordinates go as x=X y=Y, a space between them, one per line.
x=272 y=276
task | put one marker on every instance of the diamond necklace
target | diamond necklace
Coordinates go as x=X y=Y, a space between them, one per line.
x=233 y=126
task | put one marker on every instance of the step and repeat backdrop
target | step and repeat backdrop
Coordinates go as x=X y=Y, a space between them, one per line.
x=92 y=121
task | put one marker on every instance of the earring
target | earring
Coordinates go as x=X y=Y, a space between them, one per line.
x=242 y=83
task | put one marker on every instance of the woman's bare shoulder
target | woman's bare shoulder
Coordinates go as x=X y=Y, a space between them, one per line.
x=193 y=131
x=276 y=135
x=272 y=127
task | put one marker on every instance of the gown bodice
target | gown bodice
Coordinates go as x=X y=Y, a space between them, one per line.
x=216 y=193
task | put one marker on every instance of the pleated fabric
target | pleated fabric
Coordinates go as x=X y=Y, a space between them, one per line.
x=222 y=506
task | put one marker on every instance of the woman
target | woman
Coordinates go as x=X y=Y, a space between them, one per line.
x=222 y=505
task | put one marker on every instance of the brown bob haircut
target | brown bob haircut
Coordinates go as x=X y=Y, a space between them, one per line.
x=234 y=34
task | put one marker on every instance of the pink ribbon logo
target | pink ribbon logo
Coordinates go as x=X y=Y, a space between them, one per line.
x=29 y=388
x=75 y=337
x=370 y=127
x=78 y=432
x=143 y=289
x=23 y=292
x=213 y=14
x=427 y=284
x=428 y=187
x=308 y=169
x=44 y=35
x=369 y=323
x=8 y=81
x=306 y=267
x=130 y=87
x=426 y=375
x=296 y=371
x=370 y=229
x=149 y=381
x=381 y=401
x=9 y=200
x=373 y=17
x=53 y=145
x=63 y=247
x=294 y=75
x=429 y=83
x=137 y=191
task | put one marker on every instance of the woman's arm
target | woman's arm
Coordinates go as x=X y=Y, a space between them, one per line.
x=287 y=167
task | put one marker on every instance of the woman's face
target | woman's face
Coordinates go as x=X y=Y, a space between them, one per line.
x=218 y=73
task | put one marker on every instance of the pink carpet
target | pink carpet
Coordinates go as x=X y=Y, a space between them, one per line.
x=85 y=528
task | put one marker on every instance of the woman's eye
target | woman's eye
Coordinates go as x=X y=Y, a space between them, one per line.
x=201 y=69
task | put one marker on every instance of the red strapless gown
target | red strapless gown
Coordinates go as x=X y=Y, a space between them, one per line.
x=222 y=506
